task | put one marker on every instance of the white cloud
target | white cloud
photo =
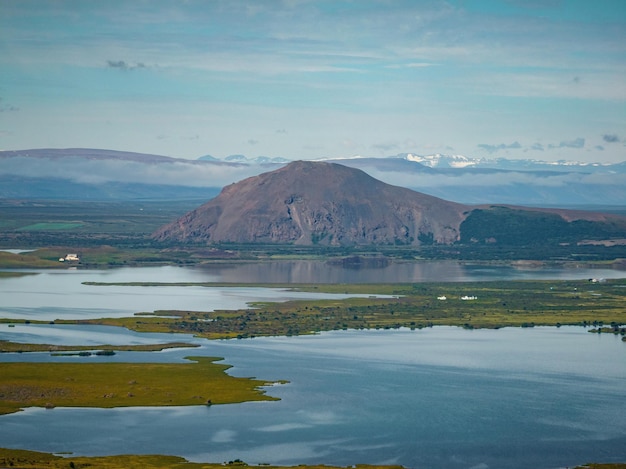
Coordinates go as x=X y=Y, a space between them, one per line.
x=495 y=179
x=183 y=173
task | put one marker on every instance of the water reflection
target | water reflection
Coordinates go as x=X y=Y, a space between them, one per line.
x=52 y=295
x=397 y=272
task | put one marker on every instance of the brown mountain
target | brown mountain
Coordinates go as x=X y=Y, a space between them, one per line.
x=329 y=204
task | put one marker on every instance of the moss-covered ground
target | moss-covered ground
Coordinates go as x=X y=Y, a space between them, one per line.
x=123 y=385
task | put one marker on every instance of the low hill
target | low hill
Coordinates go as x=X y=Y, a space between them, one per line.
x=325 y=203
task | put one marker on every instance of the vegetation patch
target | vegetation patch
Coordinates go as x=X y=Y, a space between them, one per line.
x=14 y=274
x=17 y=347
x=514 y=227
x=49 y=385
x=469 y=305
x=33 y=459
x=51 y=226
x=9 y=260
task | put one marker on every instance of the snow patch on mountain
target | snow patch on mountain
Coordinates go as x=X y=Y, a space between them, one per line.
x=441 y=161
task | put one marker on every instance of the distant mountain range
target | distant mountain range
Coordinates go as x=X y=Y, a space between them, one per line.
x=440 y=161
x=459 y=162
x=244 y=159
x=110 y=174
x=322 y=203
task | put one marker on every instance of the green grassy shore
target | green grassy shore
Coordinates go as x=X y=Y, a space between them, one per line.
x=107 y=385
x=18 y=347
x=33 y=459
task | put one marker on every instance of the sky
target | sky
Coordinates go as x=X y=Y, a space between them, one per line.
x=305 y=79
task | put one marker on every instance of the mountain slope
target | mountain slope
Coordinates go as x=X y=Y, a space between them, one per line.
x=319 y=203
x=329 y=204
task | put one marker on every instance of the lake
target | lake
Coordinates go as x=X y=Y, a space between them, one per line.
x=60 y=294
x=438 y=397
x=396 y=272
x=435 y=398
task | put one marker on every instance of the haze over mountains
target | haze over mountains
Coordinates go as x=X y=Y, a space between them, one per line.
x=109 y=174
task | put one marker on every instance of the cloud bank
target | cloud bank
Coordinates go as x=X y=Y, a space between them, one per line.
x=179 y=173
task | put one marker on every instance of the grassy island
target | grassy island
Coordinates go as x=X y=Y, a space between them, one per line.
x=199 y=382
x=470 y=305
x=18 y=347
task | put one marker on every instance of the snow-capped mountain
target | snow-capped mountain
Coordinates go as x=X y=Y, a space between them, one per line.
x=441 y=161
x=258 y=160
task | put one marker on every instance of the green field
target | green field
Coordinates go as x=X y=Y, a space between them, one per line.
x=92 y=216
x=51 y=226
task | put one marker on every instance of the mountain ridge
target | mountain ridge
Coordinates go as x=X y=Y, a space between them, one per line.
x=37 y=172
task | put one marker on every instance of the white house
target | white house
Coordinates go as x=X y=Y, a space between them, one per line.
x=70 y=257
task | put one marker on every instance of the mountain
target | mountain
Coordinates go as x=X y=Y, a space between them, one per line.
x=440 y=161
x=325 y=203
x=207 y=158
x=258 y=160
x=518 y=182
x=318 y=203
x=85 y=154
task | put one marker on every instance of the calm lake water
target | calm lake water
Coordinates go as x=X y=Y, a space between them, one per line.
x=433 y=398
x=436 y=398
x=60 y=294
x=401 y=272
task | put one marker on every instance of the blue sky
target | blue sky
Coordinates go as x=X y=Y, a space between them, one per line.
x=300 y=79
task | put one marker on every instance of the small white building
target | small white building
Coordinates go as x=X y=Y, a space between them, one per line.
x=69 y=258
